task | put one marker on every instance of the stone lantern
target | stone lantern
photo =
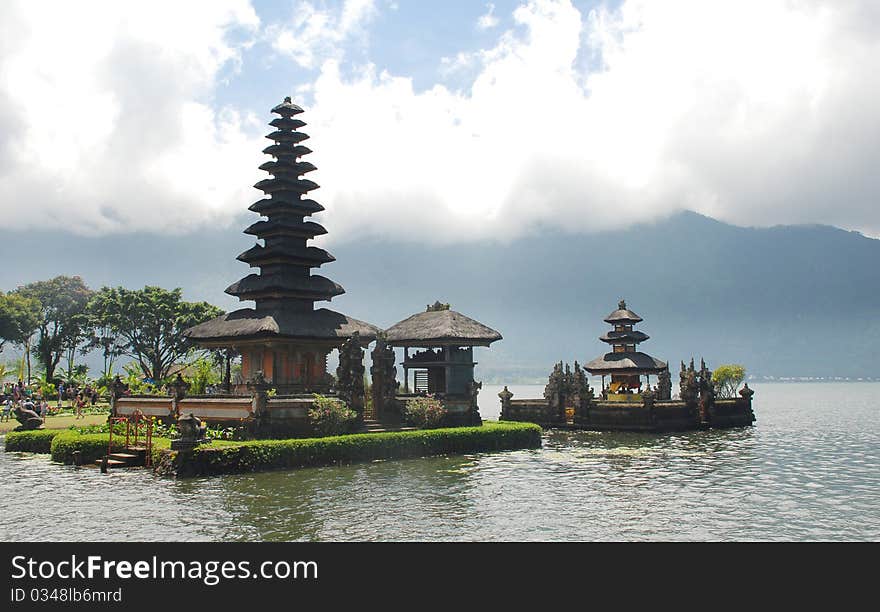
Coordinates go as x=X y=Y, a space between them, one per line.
x=191 y=432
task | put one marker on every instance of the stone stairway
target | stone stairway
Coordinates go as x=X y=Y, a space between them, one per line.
x=132 y=456
x=373 y=426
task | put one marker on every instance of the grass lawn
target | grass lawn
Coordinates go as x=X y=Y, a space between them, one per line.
x=59 y=422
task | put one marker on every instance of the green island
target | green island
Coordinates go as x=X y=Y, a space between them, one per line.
x=228 y=457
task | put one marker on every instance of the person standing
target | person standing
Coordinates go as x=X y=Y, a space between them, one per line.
x=79 y=406
x=60 y=394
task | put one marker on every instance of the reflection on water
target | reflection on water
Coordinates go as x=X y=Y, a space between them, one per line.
x=808 y=470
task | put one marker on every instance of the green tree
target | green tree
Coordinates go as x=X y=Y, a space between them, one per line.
x=62 y=301
x=77 y=332
x=101 y=335
x=19 y=321
x=727 y=378
x=149 y=323
x=204 y=373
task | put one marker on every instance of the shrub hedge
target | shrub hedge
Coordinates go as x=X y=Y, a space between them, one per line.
x=262 y=455
x=33 y=441
x=93 y=446
x=225 y=457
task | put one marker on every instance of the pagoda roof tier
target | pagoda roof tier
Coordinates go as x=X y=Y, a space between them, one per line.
x=625 y=363
x=286 y=227
x=286 y=123
x=285 y=136
x=321 y=324
x=287 y=150
x=295 y=168
x=295 y=255
x=287 y=108
x=277 y=285
x=438 y=328
x=624 y=337
x=623 y=315
x=281 y=202
x=284 y=184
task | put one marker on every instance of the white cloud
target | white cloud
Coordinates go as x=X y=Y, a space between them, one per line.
x=488 y=20
x=317 y=35
x=104 y=130
x=753 y=112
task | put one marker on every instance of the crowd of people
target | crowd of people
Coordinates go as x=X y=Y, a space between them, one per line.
x=26 y=397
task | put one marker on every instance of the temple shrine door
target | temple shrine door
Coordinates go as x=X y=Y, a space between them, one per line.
x=309 y=371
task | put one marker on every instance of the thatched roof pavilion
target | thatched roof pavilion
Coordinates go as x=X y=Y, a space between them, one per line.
x=284 y=336
x=439 y=325
x=446 y=366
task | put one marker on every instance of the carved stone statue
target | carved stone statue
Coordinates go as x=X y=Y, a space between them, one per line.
x=350 y=374
x=582 y=396
x=28 y=418
x=705 y=390
x=179 y=387
x=117 y=390
x=568 y=382
x=258 y=382
x=384 y=377
x=648 y=398
x=474 y=392
x=690 y=388
x=555 y=393
x=259 y=387
x=664 y=385
x=505 y=396
x=117 y=387
x=682 y=380
x=190 y=431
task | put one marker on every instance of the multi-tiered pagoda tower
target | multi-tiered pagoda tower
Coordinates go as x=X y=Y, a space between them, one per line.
x=624 y=363
x=284 y=336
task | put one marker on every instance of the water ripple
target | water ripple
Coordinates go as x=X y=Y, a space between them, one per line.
x=807 y=471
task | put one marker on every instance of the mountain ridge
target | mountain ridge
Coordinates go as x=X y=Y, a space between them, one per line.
x=784 y=300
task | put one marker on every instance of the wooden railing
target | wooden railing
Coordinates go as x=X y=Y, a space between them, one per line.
x=134 y=423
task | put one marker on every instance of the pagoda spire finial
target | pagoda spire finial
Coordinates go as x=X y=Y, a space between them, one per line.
x=621 y=304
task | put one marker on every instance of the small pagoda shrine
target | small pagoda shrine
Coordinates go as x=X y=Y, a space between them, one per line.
x=624 y=363
x=284 y=337
x=445 y=365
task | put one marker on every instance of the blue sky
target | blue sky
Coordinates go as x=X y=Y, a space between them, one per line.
x=409 y=38
x=447 y=121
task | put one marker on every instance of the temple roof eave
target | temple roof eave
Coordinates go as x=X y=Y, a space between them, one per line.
x=319 y=287
x=441 y=342
x=626 y=363
x=247 y=324
x=440 y=328
x=312 y=257
x=279 y=203
x=305 y=229
x=624 y=337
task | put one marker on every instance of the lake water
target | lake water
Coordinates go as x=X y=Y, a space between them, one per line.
x=808 y=470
